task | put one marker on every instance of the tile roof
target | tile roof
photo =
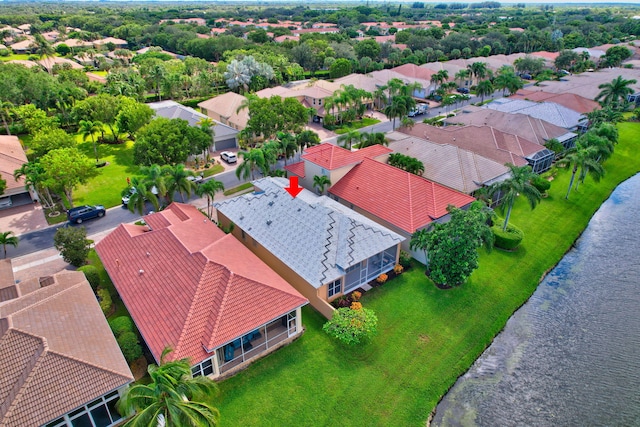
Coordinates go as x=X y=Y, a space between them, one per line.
x=174 y=110
x=315 y=236
x=190 y=286
x=569 y=100
x=23 y=62
x=535 y=130
x=548 y=111
x=332 y=157
x=296 y=169
x=414 y=71
x=403 y=199
x=12 y=157
x=50 y=61
x=58 y=352
x=226 y=105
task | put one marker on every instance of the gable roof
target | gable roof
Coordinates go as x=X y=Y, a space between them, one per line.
x=528 y=127
x=12 y=157
x=412 y=201
x=226 y=105
x=58 y=352
x=548 y=111
x=315 y=236
x=174 y=110
x=332 y=157
x=190 y=286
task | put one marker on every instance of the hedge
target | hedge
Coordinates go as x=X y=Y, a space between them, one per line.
x=121 y=325
x=105 y=300
x=92 y=275
x=509 y=239
x=130 y=346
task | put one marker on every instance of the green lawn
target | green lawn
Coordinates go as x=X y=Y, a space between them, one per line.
x=237 y=189
x=428 y=337
x=366 y=121
x=13 y=56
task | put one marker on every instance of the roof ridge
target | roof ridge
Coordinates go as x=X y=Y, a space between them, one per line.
x=462 y=171
x=43 y=300
x=411 y=213
x=328 y=239
x=87 y=363
x=223 y=301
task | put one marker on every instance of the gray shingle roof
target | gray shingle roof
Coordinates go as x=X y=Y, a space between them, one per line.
x=315 y=236
x=173 y=110
x=549 y=111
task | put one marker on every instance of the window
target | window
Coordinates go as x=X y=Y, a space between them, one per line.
x=99 y=413
x=203 y=368
x=243 y=235
x=334 y=288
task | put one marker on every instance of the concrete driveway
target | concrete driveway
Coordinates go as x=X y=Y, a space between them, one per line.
x=23 y=219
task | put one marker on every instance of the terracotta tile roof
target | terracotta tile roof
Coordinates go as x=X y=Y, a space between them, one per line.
x=226 y=105
x=189 y=285
x=414 y=71
x=50 y=61
x=58 y=352
x=296 y=169
x=403 y=199
x=570 y=100
x=7 y=284
x=332 y=157
x=12 y=157
x=546 y=55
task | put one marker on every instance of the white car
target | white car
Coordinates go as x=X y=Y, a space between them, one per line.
x=195 y=178
x=229 y=157
x=132 y=191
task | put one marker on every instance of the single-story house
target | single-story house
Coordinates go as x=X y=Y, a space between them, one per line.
x=569 y=100
x=224 y=109
x=12 y=157
x=74 y=43
x=332 y=161
x=50 y=61
x=224 y=136
x=551 y=112
x=191 y=287
x=60 y=364
x=118 y=43
x=320 y=246
x=398 y=200
x=24 y=46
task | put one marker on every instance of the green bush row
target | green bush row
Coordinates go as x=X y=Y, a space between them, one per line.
x=92 y=275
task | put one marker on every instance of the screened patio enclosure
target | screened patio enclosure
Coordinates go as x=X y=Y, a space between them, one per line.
x=370 y=268
x=541 y=161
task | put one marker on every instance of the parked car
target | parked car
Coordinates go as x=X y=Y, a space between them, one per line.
x=526 y=76
x=132 y=191
x=195 y=178
x=229 y=157
x=463 y=90
x=81 y=213
x=5 y=202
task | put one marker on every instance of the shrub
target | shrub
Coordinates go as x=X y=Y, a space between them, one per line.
x=541 y=184
x=105 y=300
x=356 y=305
x=92 y=275
x=405 y=259
x=130 y=346
x=121 y=325
x=4 y=52
x=342 y=301
x=356 y=295
x=509 y=239
x=398 y=269
x=382 y=278
x=73 y=244
x=352 y=326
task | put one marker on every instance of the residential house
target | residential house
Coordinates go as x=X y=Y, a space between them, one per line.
x=51 y=61
x=527 y=127
x=193 y=288
x=569 y=100
x=60 y=364
x=74 y=43
x=488 y=142
x=12 y=157
x=320 y=246
x=225 y=109
x=118 y=43
x=24 y=63
x=224 y=137
x=551 y=112
x=332 y=161
x=398 y=200
x=22 y=47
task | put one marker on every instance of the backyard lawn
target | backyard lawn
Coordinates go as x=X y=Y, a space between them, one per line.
x=427 y=337
x=14 y=57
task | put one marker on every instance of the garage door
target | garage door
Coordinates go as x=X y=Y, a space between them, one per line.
x=225 y=144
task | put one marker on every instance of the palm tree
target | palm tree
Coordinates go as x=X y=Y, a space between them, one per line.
x=35 y=176
x=484 y=88
x=320 y=182
x=5 y=113
x=307 y=138
x=478 y=70
x=87 y=129
x=209 y=189
x=346 y=140
x=420 y=241
x=615 y=93
x=43 y=49
x=173 y=398
x=251 y=161
x=461 y=75
x=287 y=145
x=511 y=188
x=139 y=192
x=373 y=138
x=584 y=158
x=6 y=238
x=400 y=105
x=176 y=180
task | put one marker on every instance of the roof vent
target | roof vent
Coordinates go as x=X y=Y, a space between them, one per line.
x=269 y=222
x=140 y=272
x=148 y=254
x=271 y=203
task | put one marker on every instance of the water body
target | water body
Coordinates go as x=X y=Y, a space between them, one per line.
x=571 y=355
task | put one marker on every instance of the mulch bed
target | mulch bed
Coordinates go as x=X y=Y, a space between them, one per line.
x=346 y=300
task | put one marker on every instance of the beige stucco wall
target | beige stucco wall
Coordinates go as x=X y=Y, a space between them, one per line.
x=316 y=297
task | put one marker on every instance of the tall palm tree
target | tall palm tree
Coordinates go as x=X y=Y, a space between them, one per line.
x=320 y=182
x=5 y=113
x=373 y=138
x=35 y=176
x=139 y=192
x=209 y=190
x=173 y=398
x=511 y=188
x=584 y=158
x=6 y=238
x=252 y=160
x=346 y=140
x=176 y=180
x=615 y=93
x=307 y=138
x=400 y=105
x=43 y=49
x=461 y=75
x=478 y=70
x=88 y=129
x=484 y=88
x=287 y=145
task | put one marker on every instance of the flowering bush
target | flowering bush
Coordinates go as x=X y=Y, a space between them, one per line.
x=382 y=278
x=356 y=305
x=352 y=326
x=355 y=295
x=398 y=269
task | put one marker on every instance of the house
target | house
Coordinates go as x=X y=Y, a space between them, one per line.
x=74 y=43
x=449 y=165
x=60 y=364
x=24 y=63
x=51 y=61
x=569 y=100
x=24 y=46
x=12 y=157
x=527 y=127
x=551 y=112
x=320 y=246
x=224 y=137
x=414 y=203
x=225 y=109
x=332 y=161
x=191 y=287
x=118 y=43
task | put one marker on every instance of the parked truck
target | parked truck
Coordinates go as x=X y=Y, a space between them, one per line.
x=418 y=110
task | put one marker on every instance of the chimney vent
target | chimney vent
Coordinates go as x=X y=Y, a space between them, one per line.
x=141 y=272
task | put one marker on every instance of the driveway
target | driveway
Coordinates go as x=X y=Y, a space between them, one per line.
x=23 y=219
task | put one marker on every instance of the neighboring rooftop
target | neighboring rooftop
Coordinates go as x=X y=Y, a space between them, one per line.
x=412 y=202
x=569 y=100
x=549 y=111
x=12 y=157
x=58 y=352
x=190 y=286
x=174 y=110
x=315 y=236
x=332 y=157
x=226 y=105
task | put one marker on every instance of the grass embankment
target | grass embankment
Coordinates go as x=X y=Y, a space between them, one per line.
x=238 y=189
x=428 y=337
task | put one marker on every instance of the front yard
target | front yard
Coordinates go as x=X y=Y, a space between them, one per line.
x=357 y=124
x=427 y=337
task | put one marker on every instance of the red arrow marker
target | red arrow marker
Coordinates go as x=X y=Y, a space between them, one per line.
x=294 y=189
